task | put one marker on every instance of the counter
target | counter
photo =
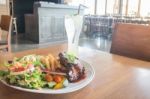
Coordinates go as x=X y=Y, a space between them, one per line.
x=46 y=24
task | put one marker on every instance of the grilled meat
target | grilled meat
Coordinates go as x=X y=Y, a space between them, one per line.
x=74 y=71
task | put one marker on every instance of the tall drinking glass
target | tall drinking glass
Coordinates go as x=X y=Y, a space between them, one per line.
x=73 y=25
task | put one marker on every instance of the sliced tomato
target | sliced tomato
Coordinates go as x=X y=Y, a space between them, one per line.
x=48 y=78
x=57 y=78
x=19 y=69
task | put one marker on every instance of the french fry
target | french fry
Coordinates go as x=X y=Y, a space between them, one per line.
x=57 y=64
x=51 y=60
x=45 y=60
x=47 y=63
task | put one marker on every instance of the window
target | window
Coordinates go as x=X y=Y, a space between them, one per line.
x=145 y=8
x=124 y=7
x=101 y=7
x=91 y=6
x=133 y=7
x=112 y=7
x=89 y=3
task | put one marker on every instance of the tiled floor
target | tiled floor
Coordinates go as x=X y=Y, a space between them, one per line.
x=99 y=43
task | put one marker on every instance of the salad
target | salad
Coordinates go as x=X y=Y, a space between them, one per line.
x=37 y=71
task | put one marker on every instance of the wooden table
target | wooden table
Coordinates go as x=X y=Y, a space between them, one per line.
x=0 y=34
x=116 y=77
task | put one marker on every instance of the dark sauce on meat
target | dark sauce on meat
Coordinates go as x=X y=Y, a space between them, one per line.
x=79 y=79
x=75 y=71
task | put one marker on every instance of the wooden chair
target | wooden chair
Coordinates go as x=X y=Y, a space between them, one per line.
x=131 y=40
x=6 y=26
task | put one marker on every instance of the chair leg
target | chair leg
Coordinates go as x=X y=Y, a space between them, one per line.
x=9 y=49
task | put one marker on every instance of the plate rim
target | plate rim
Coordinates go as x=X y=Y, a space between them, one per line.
x=59 y=91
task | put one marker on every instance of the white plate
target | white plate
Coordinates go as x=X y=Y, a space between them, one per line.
x=71 y=88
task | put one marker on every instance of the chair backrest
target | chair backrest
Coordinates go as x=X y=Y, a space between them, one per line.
x=131 y=40
x=5 y=22
x=6 y=25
